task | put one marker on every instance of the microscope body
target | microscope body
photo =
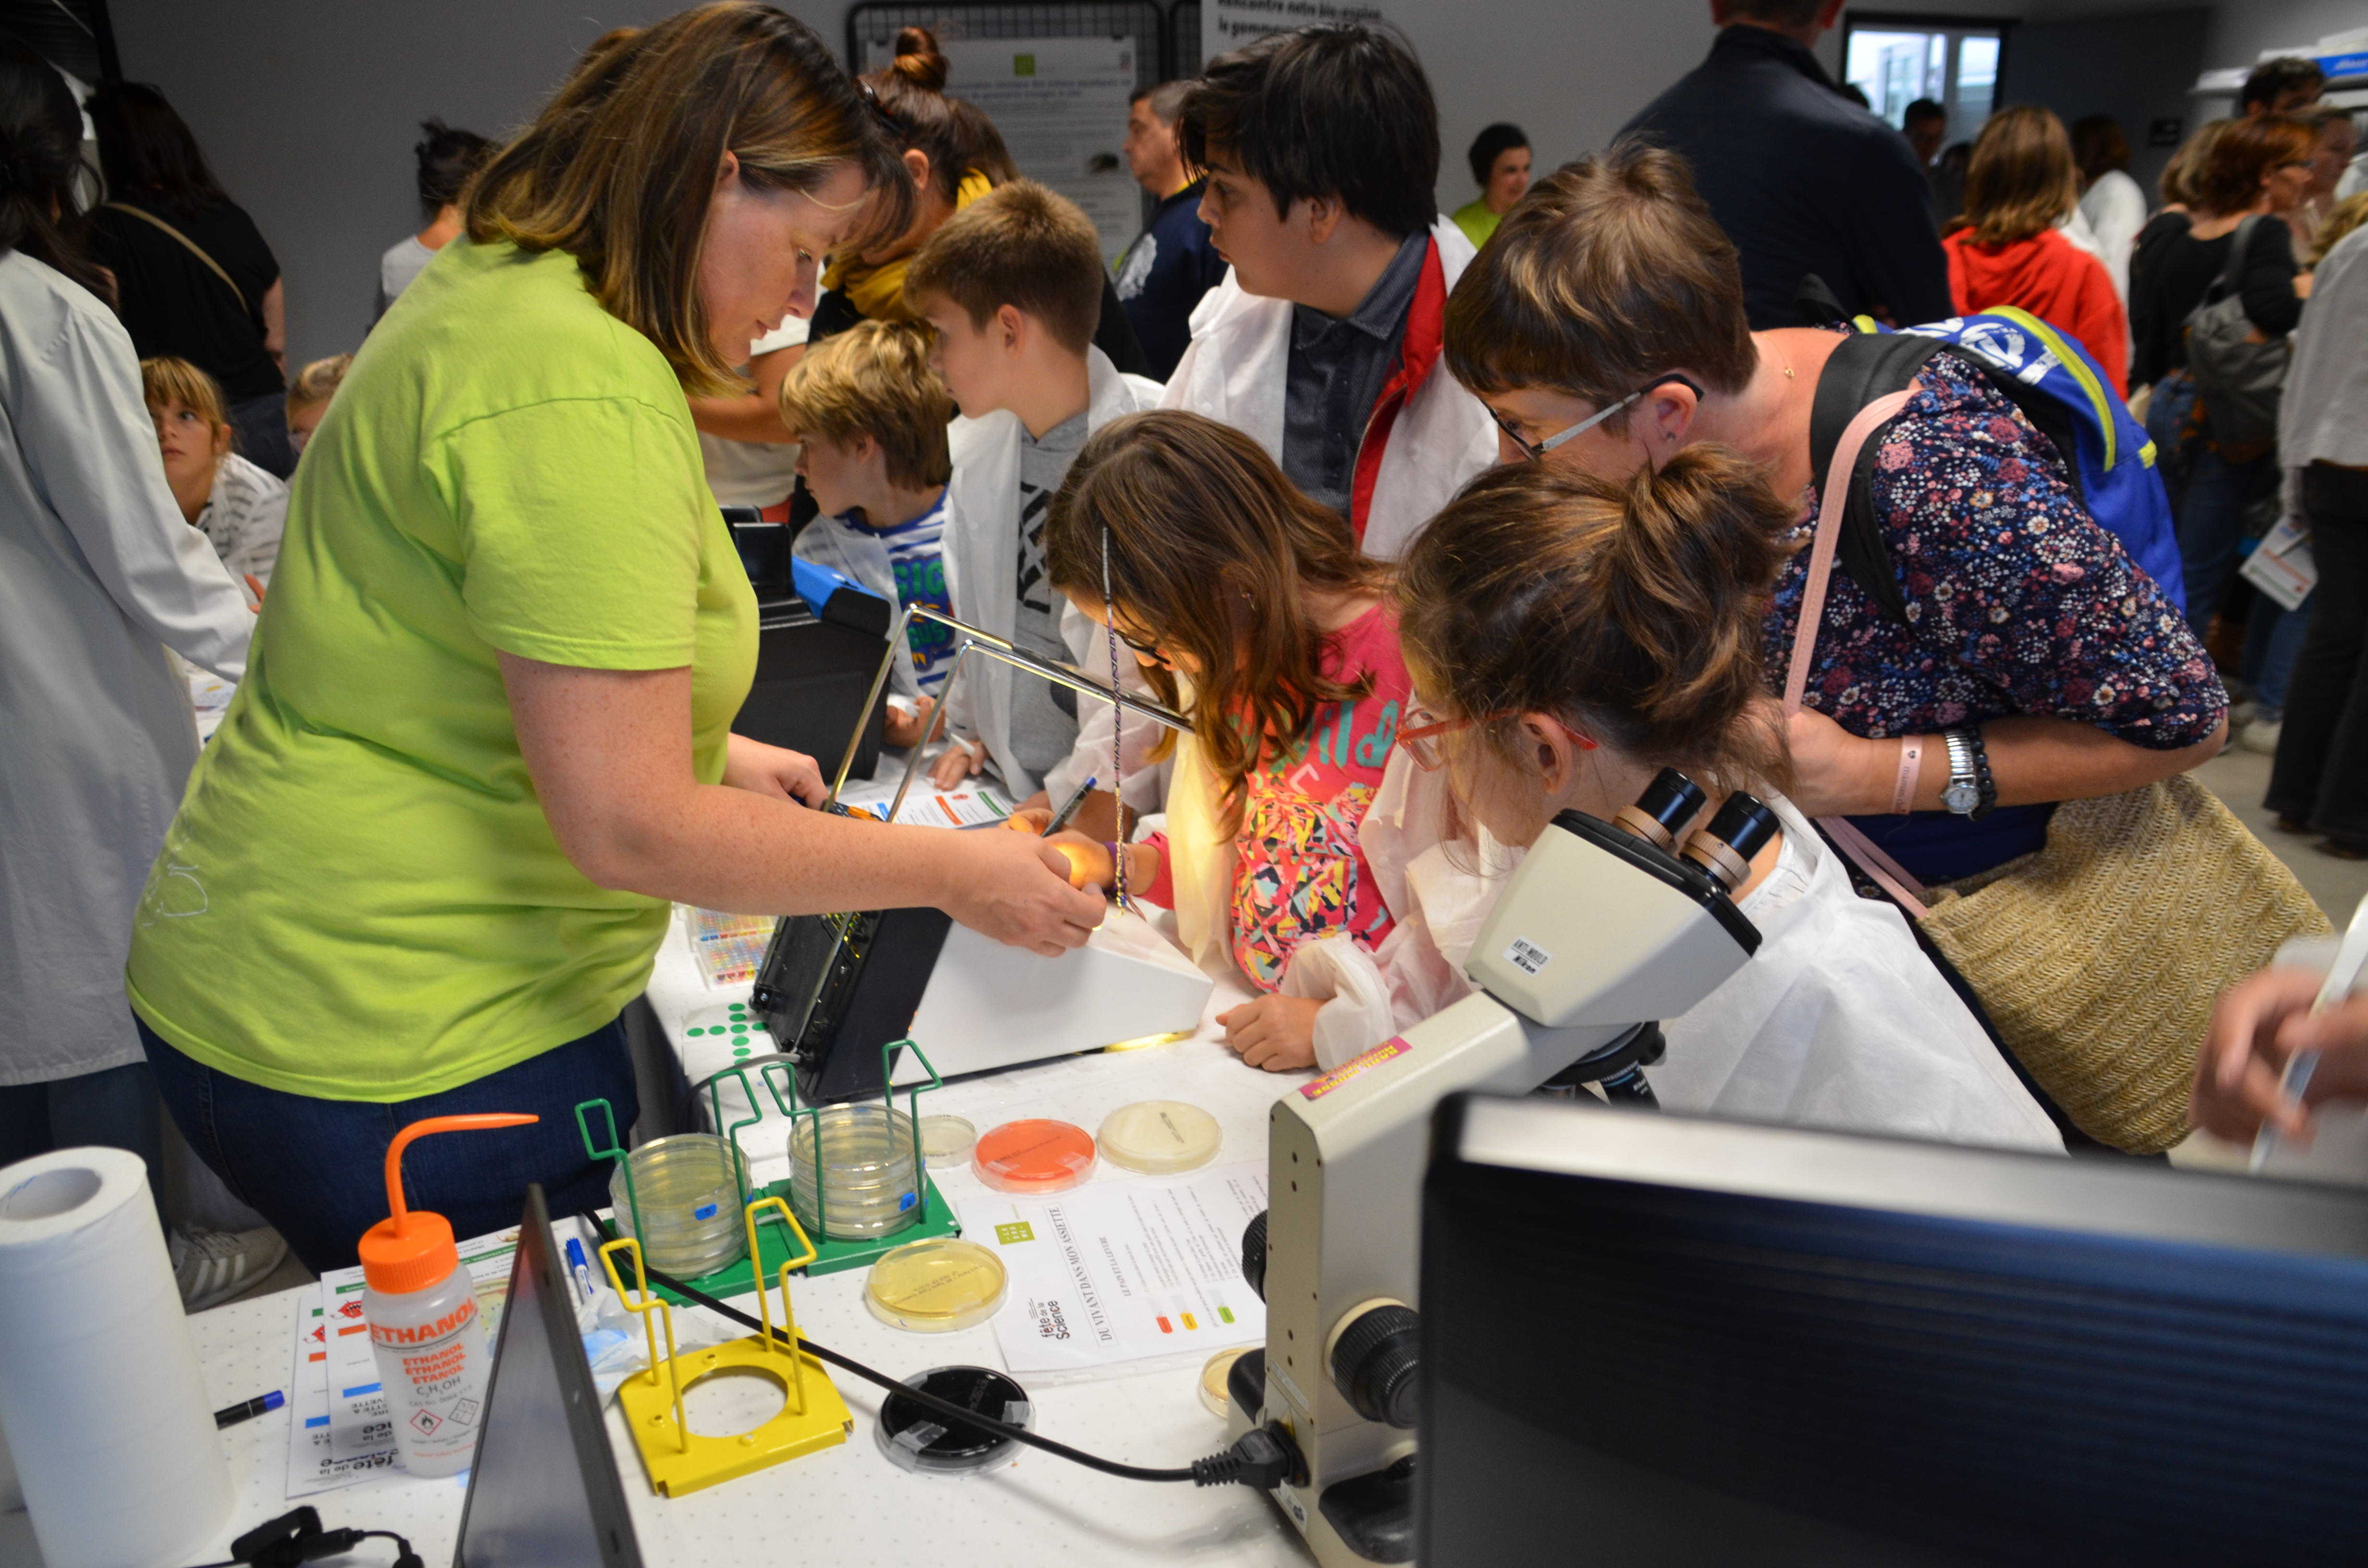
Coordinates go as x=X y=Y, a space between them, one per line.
x=1596 y=937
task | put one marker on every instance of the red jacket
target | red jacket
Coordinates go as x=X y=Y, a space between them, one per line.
x=2054 y=280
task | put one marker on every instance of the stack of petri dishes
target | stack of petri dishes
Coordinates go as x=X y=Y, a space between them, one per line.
x=689 y=1189
x=870 y=1185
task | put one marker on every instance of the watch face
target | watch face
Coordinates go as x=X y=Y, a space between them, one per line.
x=1962 y=798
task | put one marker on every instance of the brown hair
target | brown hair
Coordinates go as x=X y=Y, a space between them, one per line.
x=1611 y=271
x=2099 y=145
x=2022 y=179
x=618 y=170
x=1019 y=245
x=164 y=380
x=318 y=381
x=983 y=152
x=1630 y=608
x=1213 y=552
x=2178 y=181
x=2227 y=179
x=874 y=380
x=912 y=88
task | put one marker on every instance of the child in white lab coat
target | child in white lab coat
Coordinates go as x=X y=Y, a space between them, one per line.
x=1569 y=637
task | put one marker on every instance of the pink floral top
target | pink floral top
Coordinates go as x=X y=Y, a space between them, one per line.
x=1300 y=874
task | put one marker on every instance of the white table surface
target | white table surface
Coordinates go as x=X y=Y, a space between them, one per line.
x=848 y=1504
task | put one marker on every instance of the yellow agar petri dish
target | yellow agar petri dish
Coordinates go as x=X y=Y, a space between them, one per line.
x=947 y=1137
x=935 y=1286
x=1159 y=1137
x=1214 y=1375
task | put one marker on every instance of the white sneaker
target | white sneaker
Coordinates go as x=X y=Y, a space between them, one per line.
x=212 y=1266
x=2260 y=737
x=2242 y=714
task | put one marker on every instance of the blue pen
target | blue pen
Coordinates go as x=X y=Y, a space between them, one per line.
x=578 y=1268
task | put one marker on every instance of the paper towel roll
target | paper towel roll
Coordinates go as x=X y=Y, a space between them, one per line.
x=100 y=1394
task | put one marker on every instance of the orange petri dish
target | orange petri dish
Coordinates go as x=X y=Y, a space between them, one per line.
x=1034 y=1155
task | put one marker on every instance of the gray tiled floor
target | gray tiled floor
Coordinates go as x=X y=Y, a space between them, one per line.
x=2240 y=778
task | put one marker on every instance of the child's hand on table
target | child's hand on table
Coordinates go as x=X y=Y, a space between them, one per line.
x=963 y=759
x=1277 y=1033
x=905 y=726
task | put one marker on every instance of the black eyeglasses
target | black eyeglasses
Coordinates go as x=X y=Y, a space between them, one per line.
x=1536 y=451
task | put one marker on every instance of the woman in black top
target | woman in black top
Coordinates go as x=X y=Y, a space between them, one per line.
x=194 y=279
x=2254 y=168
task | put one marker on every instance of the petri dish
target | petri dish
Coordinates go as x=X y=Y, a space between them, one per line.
x=869 y=1182
x=947 y=1138
x=1212 y=1379
x=917 y=1438
x=1159 y=1137
x=687 y=1188
x=1034 y=1155
x=935 y=1286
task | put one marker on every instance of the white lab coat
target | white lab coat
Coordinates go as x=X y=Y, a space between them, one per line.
x=1234 y=371
x=1839 y=1021
x=982 y=553
x=98 y=576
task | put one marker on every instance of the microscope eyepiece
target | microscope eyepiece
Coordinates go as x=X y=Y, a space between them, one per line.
x=1741 y=829
x=1668 y=804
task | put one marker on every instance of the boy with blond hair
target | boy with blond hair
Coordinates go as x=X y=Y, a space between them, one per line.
x=869 y=414
x=1011 y=284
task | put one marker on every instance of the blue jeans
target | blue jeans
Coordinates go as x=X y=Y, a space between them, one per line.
x=315 y=1168
x=2274 y=639
x=2212 y=527
x=115 y=1108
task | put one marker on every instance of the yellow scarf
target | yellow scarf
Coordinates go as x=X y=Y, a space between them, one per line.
x=878 y=292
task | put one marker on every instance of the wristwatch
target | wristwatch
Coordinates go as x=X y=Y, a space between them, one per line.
x=1971 y=792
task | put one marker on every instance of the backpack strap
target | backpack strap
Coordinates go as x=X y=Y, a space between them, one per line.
x=1855 y=438
x=190 y=245
x=1862 y=368
x=2231 y=277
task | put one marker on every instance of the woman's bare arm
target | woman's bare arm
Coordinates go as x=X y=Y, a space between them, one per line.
x=2032 y=759
x=609 y=754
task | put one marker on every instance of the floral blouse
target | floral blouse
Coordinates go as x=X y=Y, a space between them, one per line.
x=2018 y=602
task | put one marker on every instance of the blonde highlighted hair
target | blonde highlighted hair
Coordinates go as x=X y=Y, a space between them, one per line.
x=2021 y=179
x=318 y=381
x=165 y=381
x=620 y=167
x=874 y=380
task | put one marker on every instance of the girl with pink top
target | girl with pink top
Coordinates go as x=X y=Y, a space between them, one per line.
x=1249 y=608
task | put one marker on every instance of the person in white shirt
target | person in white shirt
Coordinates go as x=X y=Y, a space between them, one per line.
x=241 y=510
x=104 y=586
x=2112 y=207
x=1570 y=636
x=1320 y=148
x=447 y=159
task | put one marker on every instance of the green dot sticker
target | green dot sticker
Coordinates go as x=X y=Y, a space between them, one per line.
x=738 y=1008
x=739 y=1029
x=694 y=1033
x=739 y=1051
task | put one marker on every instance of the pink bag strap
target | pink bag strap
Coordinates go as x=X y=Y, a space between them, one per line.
x=1832 y=503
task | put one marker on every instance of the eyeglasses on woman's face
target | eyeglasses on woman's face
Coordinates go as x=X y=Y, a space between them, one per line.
x=1536 y=451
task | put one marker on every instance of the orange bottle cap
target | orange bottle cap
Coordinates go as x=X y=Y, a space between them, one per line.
x=411 y=1249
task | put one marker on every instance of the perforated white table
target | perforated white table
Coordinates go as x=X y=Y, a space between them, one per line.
x=848 y=1504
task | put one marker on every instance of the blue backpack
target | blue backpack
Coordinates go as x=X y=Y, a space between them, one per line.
x=2058 y=388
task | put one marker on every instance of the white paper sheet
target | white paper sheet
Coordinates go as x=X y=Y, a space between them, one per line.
x=1106 y=1276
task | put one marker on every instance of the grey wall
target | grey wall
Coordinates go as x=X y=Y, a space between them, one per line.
x=309 y=109
x=2138 y=68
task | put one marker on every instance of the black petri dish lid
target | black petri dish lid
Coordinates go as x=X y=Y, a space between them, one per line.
x=915 y=1437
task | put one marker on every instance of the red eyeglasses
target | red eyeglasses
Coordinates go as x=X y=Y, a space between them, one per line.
x=1420 y=737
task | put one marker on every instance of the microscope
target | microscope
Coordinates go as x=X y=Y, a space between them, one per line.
x=1604 y=929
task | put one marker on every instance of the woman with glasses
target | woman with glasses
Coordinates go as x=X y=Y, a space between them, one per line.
x=1249 y=607
x=1570 y=636
x=2008 y=654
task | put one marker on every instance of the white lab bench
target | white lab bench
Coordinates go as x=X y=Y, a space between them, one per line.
x=849 y=1504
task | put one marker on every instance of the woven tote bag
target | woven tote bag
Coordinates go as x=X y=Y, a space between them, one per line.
x=2099 y=958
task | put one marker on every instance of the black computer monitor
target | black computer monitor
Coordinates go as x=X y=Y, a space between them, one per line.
x=1651 y=1339
x=544 y=1492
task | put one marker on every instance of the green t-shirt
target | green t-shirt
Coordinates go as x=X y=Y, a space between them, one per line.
x=360 y=898
x=1477 y=221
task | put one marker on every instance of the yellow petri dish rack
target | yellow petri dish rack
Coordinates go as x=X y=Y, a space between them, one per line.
x=935 y=1286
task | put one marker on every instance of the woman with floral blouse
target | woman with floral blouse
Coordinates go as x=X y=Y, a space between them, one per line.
x=1604 y=327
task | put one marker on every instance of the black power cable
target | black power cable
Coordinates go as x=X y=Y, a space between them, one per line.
x=1258 y=1460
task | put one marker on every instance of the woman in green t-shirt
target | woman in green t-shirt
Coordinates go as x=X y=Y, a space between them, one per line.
x=484 y=737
